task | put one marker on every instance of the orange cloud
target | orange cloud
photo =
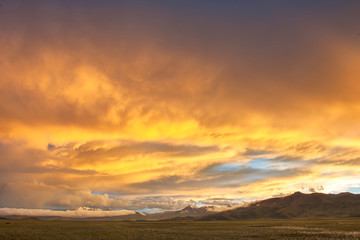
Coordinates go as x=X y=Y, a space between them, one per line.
x=141 y=102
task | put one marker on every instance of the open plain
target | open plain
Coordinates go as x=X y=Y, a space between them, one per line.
x=250 y=229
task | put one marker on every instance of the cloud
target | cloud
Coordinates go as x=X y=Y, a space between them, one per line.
x=51 y=177
x=78 y=213
x=122 y=80
x=117 y=150
x=158 y=202
x=57 y=177
x=255 y=152
x=40 y=195
x=51 y=146
x=317 y=189
x=210 y=177
x=278 y=195
x=228 y=203
x=134 y=100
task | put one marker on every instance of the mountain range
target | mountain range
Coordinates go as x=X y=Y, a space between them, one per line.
x=296 y=205
x=189 y=211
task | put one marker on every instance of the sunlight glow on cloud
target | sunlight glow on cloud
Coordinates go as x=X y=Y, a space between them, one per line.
x=141 y=104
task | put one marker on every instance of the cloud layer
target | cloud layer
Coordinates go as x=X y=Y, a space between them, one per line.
x=79 y=213
x=134 y=105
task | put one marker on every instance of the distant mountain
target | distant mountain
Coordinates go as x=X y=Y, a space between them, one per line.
x=193 y=211
x=188 y=211
x=297 y=205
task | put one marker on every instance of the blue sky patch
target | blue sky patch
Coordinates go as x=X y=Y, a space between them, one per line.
x=228 y=167
x=354 y=189
x=260 y=163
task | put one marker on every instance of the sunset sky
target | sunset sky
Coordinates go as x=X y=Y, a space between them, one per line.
x=152 y=105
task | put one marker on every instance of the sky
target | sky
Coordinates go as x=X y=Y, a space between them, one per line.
x=154 y=105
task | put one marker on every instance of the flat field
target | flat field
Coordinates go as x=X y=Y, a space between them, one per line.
x=254 y=229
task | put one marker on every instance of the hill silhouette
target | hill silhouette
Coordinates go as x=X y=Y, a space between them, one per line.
x=297 y=205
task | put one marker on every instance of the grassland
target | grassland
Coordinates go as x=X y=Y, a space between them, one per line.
x=250 y=229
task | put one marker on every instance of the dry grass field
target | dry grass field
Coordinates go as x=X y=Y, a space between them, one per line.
x=250 y=229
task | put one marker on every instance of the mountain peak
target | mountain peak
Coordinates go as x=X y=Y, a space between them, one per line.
x=188 y=207
x=196 y=210
x=298 y=193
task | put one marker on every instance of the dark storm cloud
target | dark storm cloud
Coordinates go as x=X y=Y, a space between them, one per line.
x=265 y=55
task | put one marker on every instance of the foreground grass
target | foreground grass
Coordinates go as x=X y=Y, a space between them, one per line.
x=254 y=229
